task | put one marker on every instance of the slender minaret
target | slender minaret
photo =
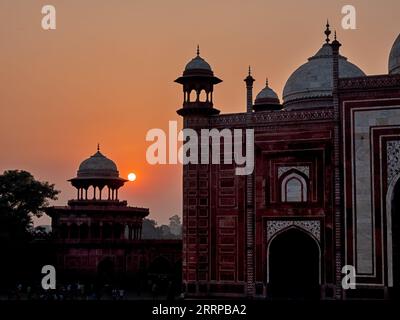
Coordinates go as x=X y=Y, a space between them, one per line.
x=337 y=177
x=249 y=87
x=250 y=219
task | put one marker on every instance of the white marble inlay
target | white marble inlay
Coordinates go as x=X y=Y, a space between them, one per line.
x=363 y=184
x=303 y=169
x=393 y=160
x=311 y=226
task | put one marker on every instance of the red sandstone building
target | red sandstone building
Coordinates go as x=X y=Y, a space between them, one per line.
x=325 y=191
x=98 y=236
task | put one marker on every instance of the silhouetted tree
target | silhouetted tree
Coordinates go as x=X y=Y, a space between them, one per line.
x=150 y=229
x=21 y=198
x=175 y=225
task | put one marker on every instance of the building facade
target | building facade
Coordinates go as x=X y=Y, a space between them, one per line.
x=324 y=192
x=98 y=236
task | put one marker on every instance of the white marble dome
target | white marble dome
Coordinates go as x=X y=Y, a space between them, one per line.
x=394 y=57
x=314 y=78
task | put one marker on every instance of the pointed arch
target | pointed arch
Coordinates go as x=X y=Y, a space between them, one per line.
x=294 y=187
x=306 y=232
x=203 y=96
x=293 y=265
x=390 y=194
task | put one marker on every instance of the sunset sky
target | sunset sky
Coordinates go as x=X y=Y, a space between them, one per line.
x=105 y=75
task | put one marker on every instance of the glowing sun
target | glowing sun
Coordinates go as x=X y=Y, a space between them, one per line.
x=131 y=176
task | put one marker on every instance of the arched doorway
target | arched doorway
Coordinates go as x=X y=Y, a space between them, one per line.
x=294 y=266
x=105 y=271
x=160 y=272
x=395 y=222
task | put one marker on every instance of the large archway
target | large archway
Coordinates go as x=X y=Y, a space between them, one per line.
x=395 y=224
x=294 y=266
x=160 y=272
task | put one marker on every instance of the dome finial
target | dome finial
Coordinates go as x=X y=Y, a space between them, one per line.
x=198 y=50
x=266 y=81
x=98 y=147
x=327 y=32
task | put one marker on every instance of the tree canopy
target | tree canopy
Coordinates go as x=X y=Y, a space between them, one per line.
x=150 y=229
x=21 y=198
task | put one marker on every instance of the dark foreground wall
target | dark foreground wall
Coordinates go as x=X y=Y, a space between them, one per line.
x=106 y=263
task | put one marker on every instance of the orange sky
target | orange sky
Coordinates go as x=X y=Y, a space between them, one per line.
x=106 y=75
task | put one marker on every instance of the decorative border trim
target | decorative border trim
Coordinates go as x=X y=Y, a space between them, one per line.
x=267 y=117
x=302 y=169
x=393 y=159
x=311 y=226
x=379 y=81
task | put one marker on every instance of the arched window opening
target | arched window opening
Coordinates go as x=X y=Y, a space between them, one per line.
x=84 y=231
x=74 y=231
x=95 y=231
x=117 y=231
x=107 y=231
x=126 y=232
x=192 y=96
x=294 y=188
x=203 y=96
x=63 y=231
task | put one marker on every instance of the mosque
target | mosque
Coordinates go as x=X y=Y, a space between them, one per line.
x=325 y=191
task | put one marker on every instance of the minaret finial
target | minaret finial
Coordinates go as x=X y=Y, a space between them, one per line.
x=266 y=81
x=198 y=50
x=335 y=35
x=327 y=32
x=98 y=147
x=249 y=70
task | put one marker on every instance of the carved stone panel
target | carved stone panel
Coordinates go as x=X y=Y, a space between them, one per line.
x=311 y=226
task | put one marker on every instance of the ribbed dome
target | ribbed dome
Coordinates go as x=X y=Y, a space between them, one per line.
x=98 y=166
x=314 y=78
x=394 y=57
